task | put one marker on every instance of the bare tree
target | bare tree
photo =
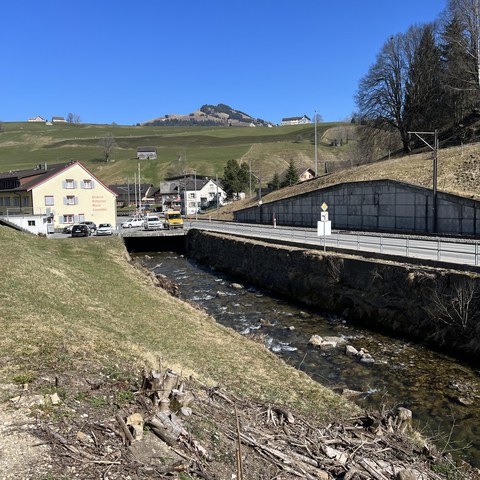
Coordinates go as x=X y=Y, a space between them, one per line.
x=457 y=308
x=107 y=143
x=73 y=118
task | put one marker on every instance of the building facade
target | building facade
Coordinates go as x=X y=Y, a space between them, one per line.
x=63 y=194
x=295 y=120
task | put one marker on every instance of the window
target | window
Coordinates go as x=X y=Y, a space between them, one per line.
x=1 y=201
x=68 y=219
x=7 y=201
x=69 y=183
x=87 y=184
x=31 y=223
x=81 y=217
x=191 y=204
x=49 y=200
x=70 y=200
x=191 y=195
x=16 y=201
x=25 y=201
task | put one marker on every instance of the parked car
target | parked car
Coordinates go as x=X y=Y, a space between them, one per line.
x=91 y=226
x=152 y=222
x=133 y=222
x=104 y=229
x=68 y=229
x=81 y=230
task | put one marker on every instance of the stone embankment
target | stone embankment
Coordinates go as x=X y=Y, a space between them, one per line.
x=440 y=307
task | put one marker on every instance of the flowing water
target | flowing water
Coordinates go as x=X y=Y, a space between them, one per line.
x=443 y=394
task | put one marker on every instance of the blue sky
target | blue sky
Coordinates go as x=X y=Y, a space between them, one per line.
x=131 y=61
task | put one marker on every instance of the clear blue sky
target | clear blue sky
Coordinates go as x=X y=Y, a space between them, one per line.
x=131 y=61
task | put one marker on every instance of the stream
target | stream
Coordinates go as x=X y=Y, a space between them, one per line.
x=443 y=394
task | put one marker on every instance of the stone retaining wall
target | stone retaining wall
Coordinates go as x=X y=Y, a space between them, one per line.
x=377 y=205
x=408 y=300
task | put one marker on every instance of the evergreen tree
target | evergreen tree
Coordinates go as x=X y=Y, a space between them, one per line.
x=235 y=178
x=459 y=95
x=423 y=89
x=291 y=177
x=276 y=181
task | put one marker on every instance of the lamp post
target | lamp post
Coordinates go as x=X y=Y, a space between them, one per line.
x=434 y=149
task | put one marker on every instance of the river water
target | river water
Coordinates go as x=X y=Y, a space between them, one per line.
x=443 y=394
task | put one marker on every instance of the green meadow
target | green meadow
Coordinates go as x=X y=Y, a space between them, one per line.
x=204 y=149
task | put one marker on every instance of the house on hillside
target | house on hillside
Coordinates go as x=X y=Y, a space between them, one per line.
x=37 y=119
x=190 y=193
x=303 y=173
x=146 y=153
x=58 y=120
x=57 y=195
x=295 y=120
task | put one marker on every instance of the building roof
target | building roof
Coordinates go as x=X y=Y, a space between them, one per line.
x=289 y=119
x=146 y=149
x=26 y=180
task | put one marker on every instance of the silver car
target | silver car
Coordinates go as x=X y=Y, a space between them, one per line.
x=133 y=222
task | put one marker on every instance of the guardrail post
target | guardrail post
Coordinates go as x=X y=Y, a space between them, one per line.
x=358 y=242
x=439 y=256
x=476 y=253
x=338 y=239
x=381 y=243
x=407 y=250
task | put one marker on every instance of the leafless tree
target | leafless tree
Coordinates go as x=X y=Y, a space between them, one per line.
x=107 y=143
x=73 y=118
x=457 y=307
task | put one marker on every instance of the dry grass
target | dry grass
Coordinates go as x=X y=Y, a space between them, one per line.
x=458 y=173
x=75 y=300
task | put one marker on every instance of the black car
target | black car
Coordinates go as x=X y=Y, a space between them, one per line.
x=81 y=230
x=91 y=225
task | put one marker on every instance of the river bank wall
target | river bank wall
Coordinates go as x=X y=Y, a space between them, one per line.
x=439 y=307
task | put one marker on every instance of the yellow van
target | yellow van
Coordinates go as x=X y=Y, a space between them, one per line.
x=173 y=219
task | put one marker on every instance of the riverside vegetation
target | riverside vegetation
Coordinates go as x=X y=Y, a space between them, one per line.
x=80 y=322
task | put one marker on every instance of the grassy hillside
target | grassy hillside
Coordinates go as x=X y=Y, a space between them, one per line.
x=68 y=303
x=458 y=173
x=23 y=145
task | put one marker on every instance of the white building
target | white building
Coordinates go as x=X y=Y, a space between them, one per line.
x=295 y=120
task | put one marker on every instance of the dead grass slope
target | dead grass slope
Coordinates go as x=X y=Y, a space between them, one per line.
x=66 y=302
x=458 y=174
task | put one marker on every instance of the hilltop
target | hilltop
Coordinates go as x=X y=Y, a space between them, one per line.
x=210 y=115
x=179 y=149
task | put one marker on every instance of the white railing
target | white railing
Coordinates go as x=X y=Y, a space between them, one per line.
x=442 y=249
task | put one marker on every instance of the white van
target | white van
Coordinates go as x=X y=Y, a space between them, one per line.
x=152 y=222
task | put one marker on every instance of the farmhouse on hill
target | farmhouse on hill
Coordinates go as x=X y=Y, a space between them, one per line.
x=295 y=120
x=55 y=196
x=146 y=153
x=38 y=119
x=58 y=120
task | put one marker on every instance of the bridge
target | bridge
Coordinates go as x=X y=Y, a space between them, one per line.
x=438 y=249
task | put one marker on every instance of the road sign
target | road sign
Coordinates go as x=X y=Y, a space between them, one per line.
x=324 y=228
x=324 y=216
x=324 y=206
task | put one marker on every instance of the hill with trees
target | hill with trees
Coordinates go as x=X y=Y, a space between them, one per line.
x=209 y=116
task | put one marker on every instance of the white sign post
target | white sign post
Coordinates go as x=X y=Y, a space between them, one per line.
x=324 y=226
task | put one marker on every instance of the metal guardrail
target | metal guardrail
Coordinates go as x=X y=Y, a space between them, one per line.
x=451 y=250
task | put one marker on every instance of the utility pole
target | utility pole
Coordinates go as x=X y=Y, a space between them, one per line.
x=434 y=149
x=316 y=155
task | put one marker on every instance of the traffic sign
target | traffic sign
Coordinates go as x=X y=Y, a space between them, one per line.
x=324 y=206
x=324 y=216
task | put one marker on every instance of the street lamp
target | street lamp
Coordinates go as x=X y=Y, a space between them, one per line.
x=434 y=148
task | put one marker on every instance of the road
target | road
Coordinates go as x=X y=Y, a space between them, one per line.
x=442 y=249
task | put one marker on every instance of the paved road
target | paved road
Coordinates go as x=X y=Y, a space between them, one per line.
x=453 y=250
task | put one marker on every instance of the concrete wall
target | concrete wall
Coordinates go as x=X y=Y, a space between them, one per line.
x=401 y=298
x=379 y=205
